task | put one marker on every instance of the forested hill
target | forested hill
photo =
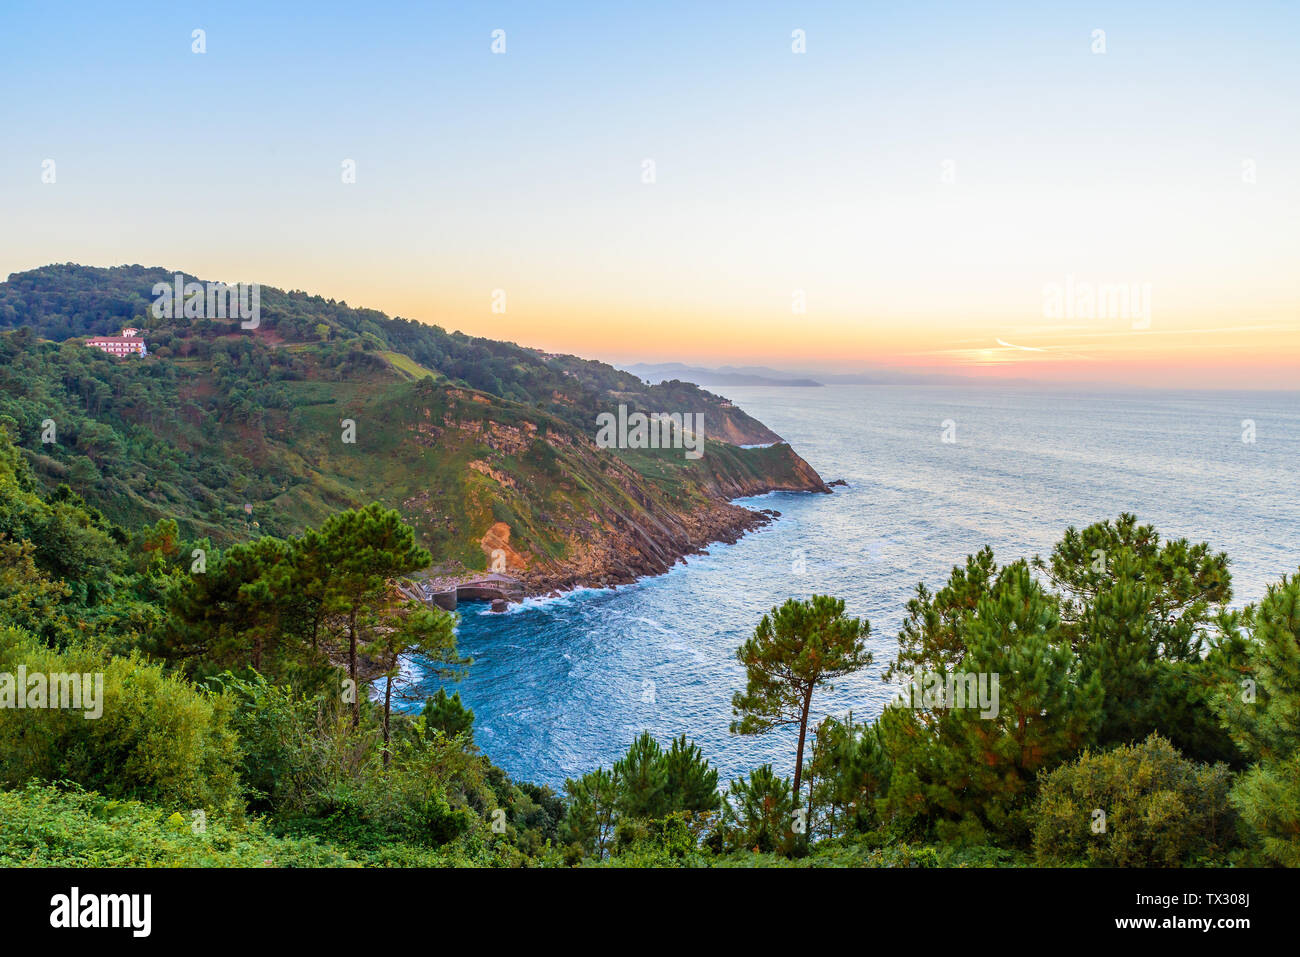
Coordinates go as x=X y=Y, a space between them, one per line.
x=236 y=433
x=60 y=302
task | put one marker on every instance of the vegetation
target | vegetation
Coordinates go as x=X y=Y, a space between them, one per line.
x=218 y=418
x=1263 y=714
x=1101 y=705
x=613 y=810
x=226 y=701
x=795 y=649
x=1135 y=806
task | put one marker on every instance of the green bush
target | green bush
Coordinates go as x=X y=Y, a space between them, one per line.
x=158 y=738
x=1268 y=797
x=671 y=841
x=276 y=728
x=1266 y=727
x=1161 y=810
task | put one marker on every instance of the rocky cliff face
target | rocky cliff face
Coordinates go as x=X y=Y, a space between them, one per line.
x=621 y=549
x=542 y=502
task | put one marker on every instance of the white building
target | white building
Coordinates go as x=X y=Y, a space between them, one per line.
x=128 y=343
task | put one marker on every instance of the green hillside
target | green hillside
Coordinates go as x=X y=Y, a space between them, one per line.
x=237 y=433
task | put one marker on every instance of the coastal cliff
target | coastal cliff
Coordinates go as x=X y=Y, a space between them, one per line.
x=489 y=450
x=543 y=503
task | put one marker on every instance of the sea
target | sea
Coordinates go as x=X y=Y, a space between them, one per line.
x=561 y=686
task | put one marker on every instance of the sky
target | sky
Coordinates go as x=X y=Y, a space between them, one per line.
x=965 y=187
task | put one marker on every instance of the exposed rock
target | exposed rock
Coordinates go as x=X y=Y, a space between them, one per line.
x=496 y=543
x=496 y=475
x=579 y=514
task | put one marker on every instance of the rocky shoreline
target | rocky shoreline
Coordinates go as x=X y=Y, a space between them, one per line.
x=628 y=528
x=608 y=566
x=644 y=556
x=718 y=524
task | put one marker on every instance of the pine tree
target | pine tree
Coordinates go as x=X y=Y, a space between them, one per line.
x=410 y=627
x=448 y=715
x=977 y=765
x=307 y=582
x=591 y=817
x=1141 y=613
x=759 y=814
x=692 y=782
x=794 y=650
x=230 y=617
x=931 y=636
x=642 y=780
x=1186 y=584
x=849 y=772
x=1265 y=721
x=365 y=548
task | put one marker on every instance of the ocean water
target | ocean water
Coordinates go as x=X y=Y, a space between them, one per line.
x=562 y=686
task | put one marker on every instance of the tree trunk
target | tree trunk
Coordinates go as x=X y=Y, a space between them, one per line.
x=803 y=732
x=352 y=668
x=812 y=788
x=388 y=700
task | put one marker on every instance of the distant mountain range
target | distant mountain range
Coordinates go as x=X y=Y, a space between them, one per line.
x=656 y=372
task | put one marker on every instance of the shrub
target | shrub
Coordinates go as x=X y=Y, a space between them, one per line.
x=1160 y=809
x=275 y=728
x=158 y=738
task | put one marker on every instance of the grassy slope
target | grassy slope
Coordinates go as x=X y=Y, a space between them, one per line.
x=454 y=460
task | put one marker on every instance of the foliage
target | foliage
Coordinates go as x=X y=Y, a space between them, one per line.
x=795 y=649
x=448 y=715
x=613 y=810
x=849 y=775
x=1141 y=612
x=692 y=783
x=1141 y=805
x=47 y=826
x=219 y=417
x=589 y=825
x=222 y=674
x=969 y=771
x=1263 y=714
x=931 y=636
x=155 y=737
x=759 y=813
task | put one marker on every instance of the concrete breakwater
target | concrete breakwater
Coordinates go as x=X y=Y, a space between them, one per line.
x=448 y=592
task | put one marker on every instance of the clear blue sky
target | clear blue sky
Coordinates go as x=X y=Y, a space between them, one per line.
x=775 y=172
